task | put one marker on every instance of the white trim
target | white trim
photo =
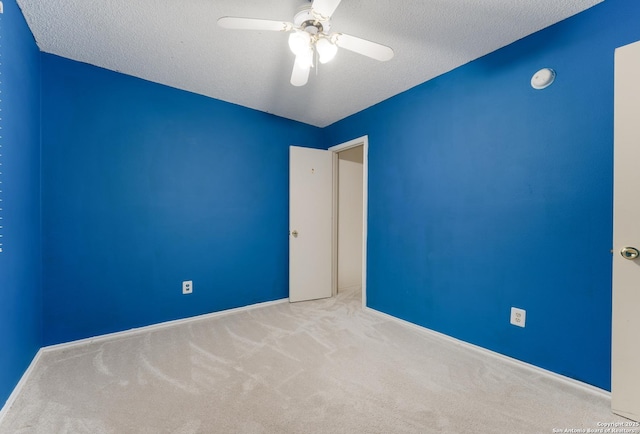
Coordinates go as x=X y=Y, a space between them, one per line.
x=364 y=141
x=16 y=390
x=349 y=288
x=334 y=224
x=158 y=326
x=541 y=371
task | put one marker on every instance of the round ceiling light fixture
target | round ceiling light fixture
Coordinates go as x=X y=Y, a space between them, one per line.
x=543 y=78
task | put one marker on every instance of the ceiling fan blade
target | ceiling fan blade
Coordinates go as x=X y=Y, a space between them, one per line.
x=300 y=73
x=324 y=8
x=238 y=23
x=362 y=46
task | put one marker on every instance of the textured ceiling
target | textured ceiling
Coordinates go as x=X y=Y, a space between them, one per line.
x=177 y=43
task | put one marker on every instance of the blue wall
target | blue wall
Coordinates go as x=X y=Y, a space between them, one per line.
x=145 y=186
x=20 y=274
x=486 y=194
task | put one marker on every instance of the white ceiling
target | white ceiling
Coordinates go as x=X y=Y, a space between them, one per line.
x=177 y=43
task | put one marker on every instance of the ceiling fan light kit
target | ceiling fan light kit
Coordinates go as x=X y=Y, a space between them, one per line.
x=310 y=34
x=299 y=41
x=326 y=50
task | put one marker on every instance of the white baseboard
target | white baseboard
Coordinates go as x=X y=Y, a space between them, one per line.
x=570 y=381
x=158 y=326
x=349 y=287
x=116 y=335
x=16 y=390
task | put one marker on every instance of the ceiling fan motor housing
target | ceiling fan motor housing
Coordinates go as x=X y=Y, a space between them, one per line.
x=307 y=21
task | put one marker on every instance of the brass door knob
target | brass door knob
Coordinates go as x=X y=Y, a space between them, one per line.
x=294 y=233
x=629 y=253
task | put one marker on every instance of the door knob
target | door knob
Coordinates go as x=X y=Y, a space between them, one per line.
x=630 y=253
x=294 y=233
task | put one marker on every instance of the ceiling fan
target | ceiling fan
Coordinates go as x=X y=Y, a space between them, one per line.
x=310 y=35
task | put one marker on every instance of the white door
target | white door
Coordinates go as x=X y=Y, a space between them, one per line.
x=625 y=372
x=310 y=215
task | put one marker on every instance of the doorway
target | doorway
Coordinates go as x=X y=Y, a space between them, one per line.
x=350 y=175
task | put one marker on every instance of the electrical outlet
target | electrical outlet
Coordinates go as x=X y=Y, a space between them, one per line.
x=187 y=287
x=518 y=317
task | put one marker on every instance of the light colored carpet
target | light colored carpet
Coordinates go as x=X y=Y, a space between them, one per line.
x=316 y=367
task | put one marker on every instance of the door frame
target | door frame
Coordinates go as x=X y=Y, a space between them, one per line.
x=364 y=142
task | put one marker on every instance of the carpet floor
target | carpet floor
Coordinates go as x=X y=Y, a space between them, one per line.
x=325 y=366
